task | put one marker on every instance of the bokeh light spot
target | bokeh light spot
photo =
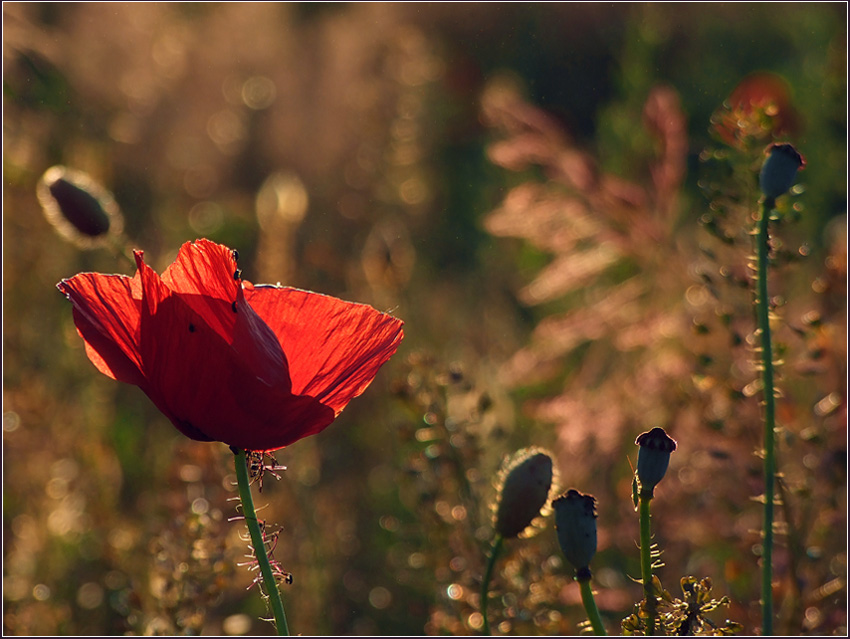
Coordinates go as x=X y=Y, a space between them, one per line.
x=41 y=592
x=380 y=597
x=258 y=93
x=200 y=506
x=206 y=218
x=90 y=595
x=236 y=624
x=475 y=621
x=11 y=421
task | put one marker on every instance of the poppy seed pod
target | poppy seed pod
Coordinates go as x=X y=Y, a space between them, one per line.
x=779 y=169
x=653 y=458
x=523 y=490
x=575 y=523
x=79 y=208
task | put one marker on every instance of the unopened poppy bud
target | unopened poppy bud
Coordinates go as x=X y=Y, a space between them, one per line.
x=779 y=169
x=81 y=210
x=523 y=490
x=575 y=523
x=653 y=458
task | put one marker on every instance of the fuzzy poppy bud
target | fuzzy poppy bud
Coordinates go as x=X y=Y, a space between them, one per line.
x=653 y=458
x=524 y=484
x=81 y=210
x=575 y=523
x=779 y=169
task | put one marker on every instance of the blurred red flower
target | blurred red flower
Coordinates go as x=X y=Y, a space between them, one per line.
x=760 y=108
x=255 y=367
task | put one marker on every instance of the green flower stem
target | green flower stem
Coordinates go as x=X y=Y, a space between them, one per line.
x=590 y=606
x=646 y=562
x=485 y=585
x=763 y=312
x=269 y=581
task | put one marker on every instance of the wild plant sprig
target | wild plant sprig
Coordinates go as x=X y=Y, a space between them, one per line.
x=258 y=543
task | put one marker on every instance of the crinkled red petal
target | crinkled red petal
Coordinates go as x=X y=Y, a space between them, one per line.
x=107 y=312
x=203 y=273
x=334 y=348
x=237 y=392
x=203 y=277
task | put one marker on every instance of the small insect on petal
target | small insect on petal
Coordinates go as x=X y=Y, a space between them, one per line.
x=237 y=274
x=233 y=306
x=235 y=255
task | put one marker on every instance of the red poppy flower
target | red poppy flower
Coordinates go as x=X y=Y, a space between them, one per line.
x=760 y=108
x=256 y=367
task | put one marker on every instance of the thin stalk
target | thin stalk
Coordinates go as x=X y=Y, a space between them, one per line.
x=763 y=312
x=269 y=581
x=485 y=585
x=646 y=562
x=590 y=605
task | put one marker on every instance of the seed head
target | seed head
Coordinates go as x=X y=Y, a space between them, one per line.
x=575 y=523
x=779 y=169
x=653 y=458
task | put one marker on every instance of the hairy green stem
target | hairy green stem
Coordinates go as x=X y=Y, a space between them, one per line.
x=590 y=605
x=646 y=562
x=269 y=581
x=763 y=312
x=485 y=585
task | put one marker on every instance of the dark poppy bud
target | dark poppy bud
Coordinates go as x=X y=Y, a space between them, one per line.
x=81 y=210
x=779 y=169
x=575 y=523
x=523 y=490
x=653 y=458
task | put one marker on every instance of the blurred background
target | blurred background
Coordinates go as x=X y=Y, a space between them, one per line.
x=555 y=198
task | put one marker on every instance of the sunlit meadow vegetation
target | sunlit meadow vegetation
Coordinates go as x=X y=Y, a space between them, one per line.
x=557 y=199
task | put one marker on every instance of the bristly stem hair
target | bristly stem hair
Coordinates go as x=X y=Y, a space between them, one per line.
x=269 y=582
x=763 y=312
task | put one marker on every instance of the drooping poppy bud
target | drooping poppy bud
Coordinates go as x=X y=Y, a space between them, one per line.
x=653 y=458
x=80 y=209
x=523 y=490
x=779 y=169
x=575 y=523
